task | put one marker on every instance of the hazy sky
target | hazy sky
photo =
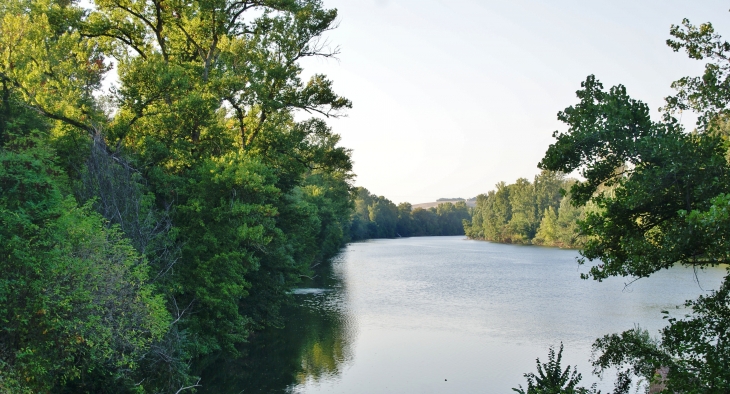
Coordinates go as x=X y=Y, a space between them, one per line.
x=451 y=97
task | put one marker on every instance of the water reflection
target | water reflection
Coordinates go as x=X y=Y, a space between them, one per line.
x=446 y=315
x=327 y=346
x=314 y=345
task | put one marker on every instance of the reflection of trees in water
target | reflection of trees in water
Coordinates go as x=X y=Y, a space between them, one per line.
x=314 y=344
x=326 y=350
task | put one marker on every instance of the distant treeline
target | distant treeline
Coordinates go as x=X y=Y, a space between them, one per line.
x=528 y=213
x=455 y=199
x=378 y=217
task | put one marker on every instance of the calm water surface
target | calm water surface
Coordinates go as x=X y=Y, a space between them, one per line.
x=446 y=315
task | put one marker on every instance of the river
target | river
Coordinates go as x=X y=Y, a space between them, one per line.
x=446 y=315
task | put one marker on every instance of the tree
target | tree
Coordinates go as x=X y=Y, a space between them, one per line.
x=548 y=232
x=48 y=63
x=693 y=350
x=378 y=217
x=514 y=213
x=548 y=186
x=385 y=216
x=451 y=217
x=76 y=302
x=361 y=216
x=708 y=95
x=425 y=222
x=661 y=198
x=191 y=58
x=561 y=228
x=196 y=156
x=405 y=220
x=552 y=379
x=655 y=171
x=497 y=213
x=524 y=221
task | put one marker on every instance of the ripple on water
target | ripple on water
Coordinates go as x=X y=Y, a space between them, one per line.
x=310 y=291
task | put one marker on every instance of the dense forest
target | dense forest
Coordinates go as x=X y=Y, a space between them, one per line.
x=378 y=217
x=144 y=229
x=528 y=213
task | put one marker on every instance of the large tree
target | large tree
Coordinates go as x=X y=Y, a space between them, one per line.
x=661 y=198
x=642 y=175
x=195 y=154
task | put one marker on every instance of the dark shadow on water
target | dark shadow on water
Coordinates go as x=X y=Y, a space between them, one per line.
x=314 y=344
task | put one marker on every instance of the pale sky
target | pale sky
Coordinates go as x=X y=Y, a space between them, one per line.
x=451 y=97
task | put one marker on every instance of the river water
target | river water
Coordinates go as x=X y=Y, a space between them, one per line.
x=446 y=315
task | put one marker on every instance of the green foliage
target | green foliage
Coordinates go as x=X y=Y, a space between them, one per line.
x=562 y=228
x=661 y=198
x=552 y=379
x=425 y=222
x=377 y=217
x=451 y=217
x=708 y=95
x=524 y=221
x=654 y=171
x=405 y=223
x=76 y=304
x=224 y=214
x=490 y=217
x=45 y=77
x=527 y=213
x=693 y=349
x=384 y=215
x=202 y=176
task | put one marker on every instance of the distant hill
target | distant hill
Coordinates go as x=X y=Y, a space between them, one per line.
x=425 y=205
